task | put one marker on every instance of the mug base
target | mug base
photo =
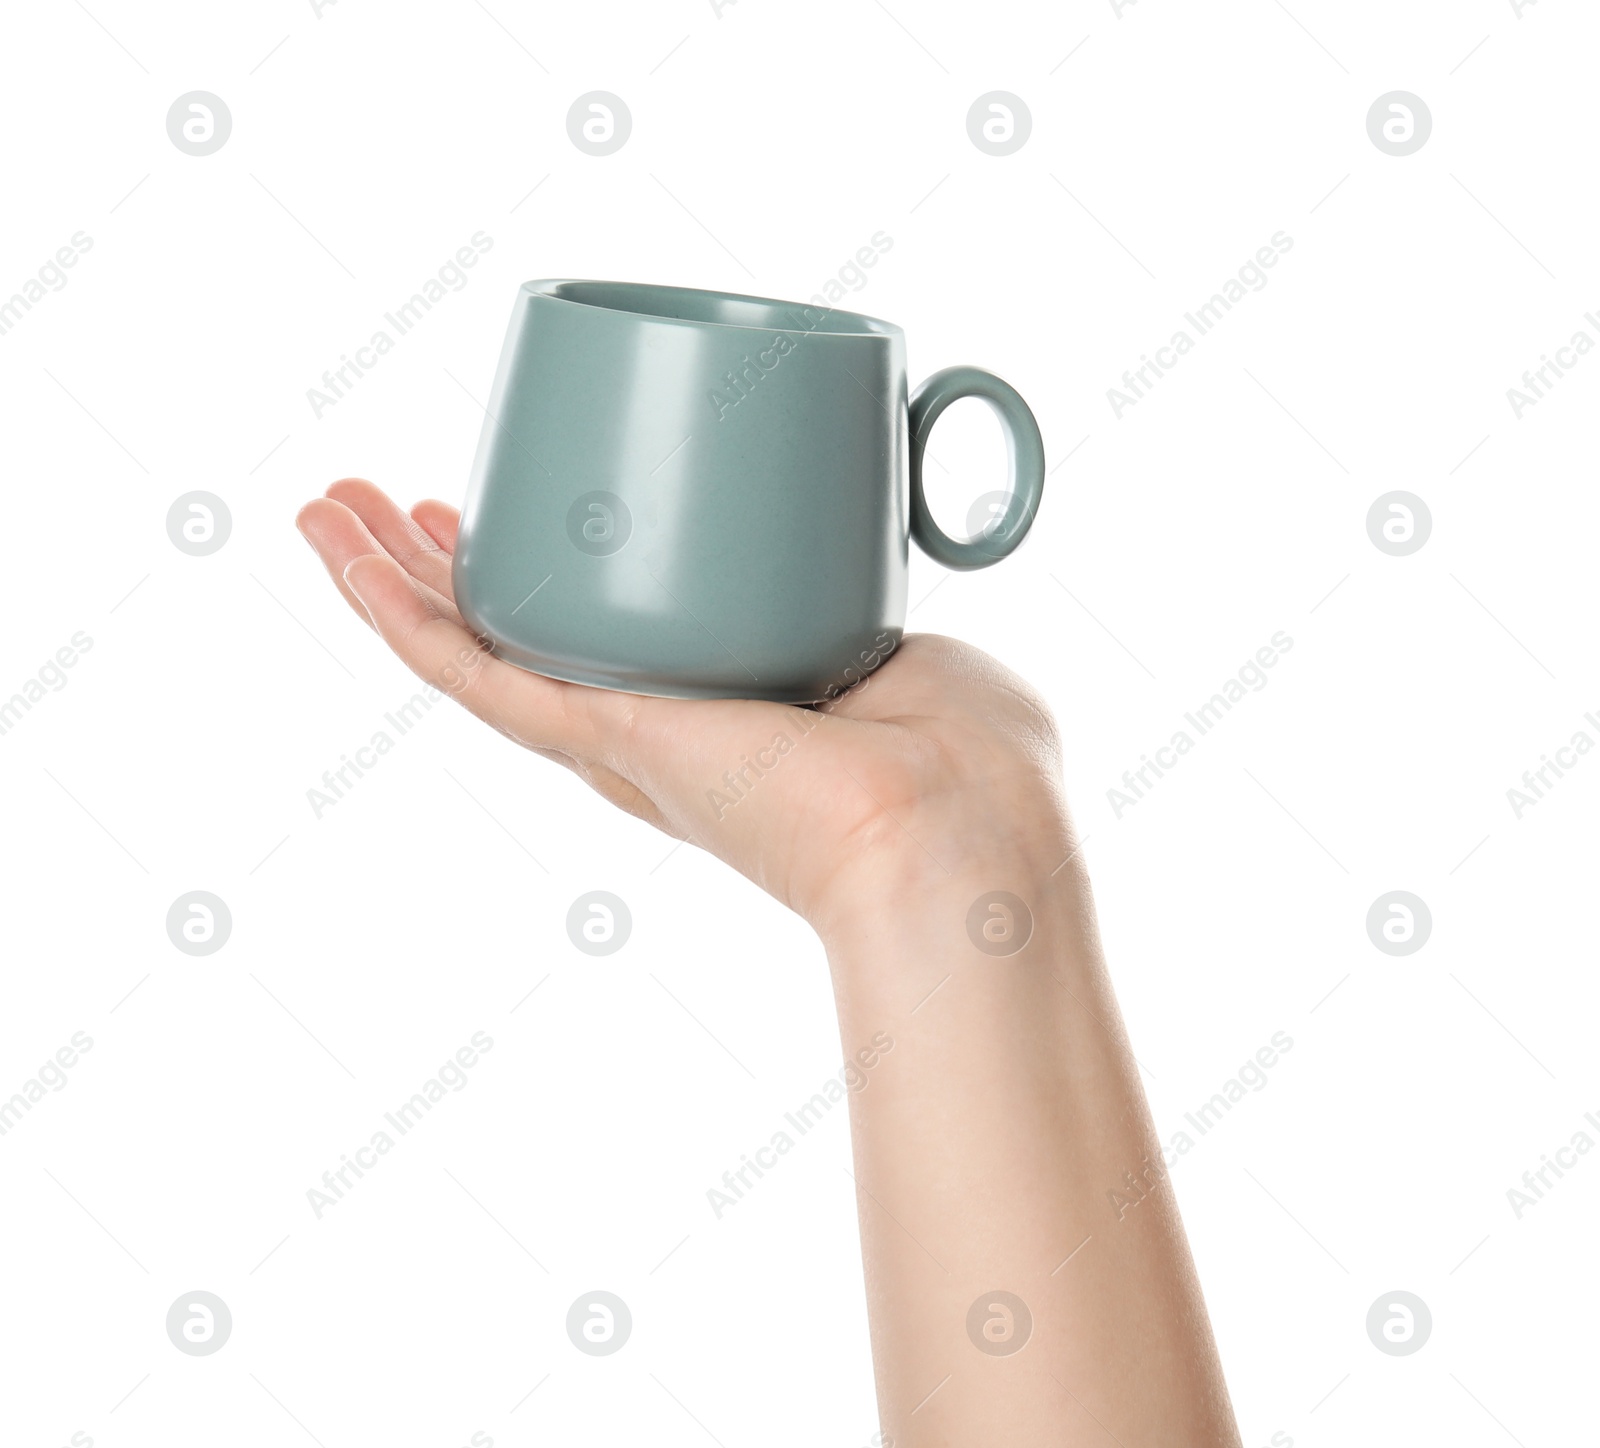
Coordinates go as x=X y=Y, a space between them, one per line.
x=658 y=688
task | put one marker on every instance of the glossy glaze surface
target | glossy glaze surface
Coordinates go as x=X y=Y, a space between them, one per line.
x=704 y=495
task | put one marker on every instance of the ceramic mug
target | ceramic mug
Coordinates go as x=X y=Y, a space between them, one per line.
x=703 y=495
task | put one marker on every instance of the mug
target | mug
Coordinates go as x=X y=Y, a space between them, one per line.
x=704 y=495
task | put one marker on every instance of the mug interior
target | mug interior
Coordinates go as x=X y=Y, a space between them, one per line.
x=718 y=309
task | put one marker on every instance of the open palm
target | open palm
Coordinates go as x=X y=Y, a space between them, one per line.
x=941 y=757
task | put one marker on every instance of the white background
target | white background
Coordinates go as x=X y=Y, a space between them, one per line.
x=370 y=143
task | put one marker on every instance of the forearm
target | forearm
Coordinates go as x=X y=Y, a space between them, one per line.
x=987 y=1142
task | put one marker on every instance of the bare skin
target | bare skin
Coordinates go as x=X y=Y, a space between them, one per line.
x=990 y=1134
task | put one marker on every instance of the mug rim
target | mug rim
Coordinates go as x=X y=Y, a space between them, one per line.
x=628 y=298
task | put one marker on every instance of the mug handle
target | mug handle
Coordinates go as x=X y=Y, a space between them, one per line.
x=1027 y=466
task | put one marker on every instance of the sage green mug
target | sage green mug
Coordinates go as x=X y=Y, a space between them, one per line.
x=703 y=495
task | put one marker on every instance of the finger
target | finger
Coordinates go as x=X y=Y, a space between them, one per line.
x=508 y=696
x=339 y=536
x=441 y=520
x=534 y=711
x=328 y=534
x=404 y=540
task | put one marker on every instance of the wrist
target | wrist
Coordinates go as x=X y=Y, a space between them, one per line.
x=978 y=889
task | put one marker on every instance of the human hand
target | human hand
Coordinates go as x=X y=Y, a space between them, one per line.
x=941 y=761
x=1013 y=1100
